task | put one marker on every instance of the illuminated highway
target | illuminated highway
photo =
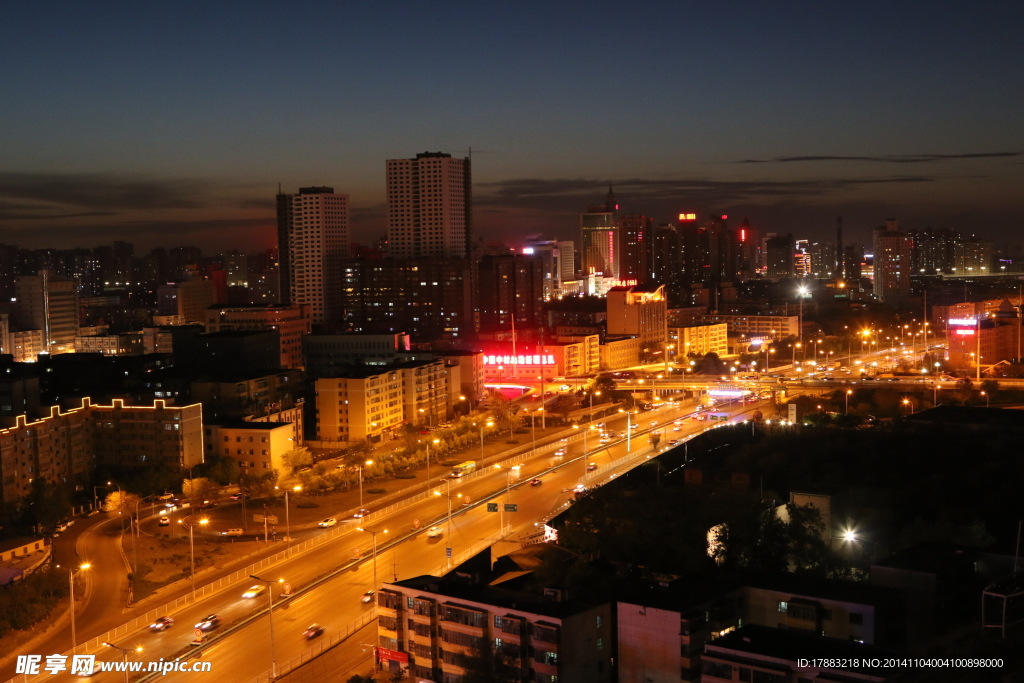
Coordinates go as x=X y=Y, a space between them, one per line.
x=335 y=603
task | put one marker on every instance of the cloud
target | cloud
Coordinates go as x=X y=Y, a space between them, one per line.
x=889 y=158
x=103 y=192
x=557 y=193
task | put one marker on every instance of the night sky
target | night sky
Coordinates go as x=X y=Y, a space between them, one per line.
x=173 y=123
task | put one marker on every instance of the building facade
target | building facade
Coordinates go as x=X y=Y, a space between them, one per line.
x=367 y=403
x=892 y=263
x=599 y=232
x=258 y=447
x=47 y=302
x=699 y=339
x=292 y=322
x=429 y=206
x=313 y=240
x=637 y=312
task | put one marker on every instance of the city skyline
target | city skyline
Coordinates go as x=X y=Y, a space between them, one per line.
x=166 y=127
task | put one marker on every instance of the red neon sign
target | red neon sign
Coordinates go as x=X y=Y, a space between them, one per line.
x=519 y=359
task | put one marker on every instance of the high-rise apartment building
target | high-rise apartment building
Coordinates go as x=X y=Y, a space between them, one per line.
x=313 y=240
x=600 y=239
x=48 y=302
x=973 y=256
x=892 y=265
x=934 y=250
x=293 y=322
x=511 y=288
x=429 y=298
x=559 y=263
x=429 y=206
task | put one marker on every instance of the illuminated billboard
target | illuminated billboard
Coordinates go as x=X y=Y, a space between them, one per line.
x=971 y=322
x=687 y=217
x=521 y=359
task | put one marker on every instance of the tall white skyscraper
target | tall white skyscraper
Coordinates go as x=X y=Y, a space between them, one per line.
x=429 y=209
x=313 y=240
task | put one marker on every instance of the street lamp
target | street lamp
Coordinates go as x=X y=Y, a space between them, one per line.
x=533 y=427
x=910 y=404
x=288 y=519
x=273 y=645
x=848 y=393
x=436 y=442
x=489 y=424
x=71 y=582
x=988 y=402
x=448 y=494
x=192 y=550
x=360 y=468
x=374 y=534
x=124 y=653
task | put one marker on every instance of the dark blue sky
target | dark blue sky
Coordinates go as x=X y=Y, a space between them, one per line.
x=173 y=123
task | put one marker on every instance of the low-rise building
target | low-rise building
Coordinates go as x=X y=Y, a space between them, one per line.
x=429 y=623
x=127 y=344
x=569 y=358
x=620 y=352
x=764 y=326
x=699 y=340
x=327 y=354
x=425 y=391
x=366 y=403
x=257 y=446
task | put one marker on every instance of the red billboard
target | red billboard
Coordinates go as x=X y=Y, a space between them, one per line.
x=386 y=655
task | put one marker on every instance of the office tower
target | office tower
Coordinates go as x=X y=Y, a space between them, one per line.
x=429 y=206
x=313 y=240
x=665 y=265
x=748 y=247
x=48 y=302
x=710 y=251
x=291 y=321
x=638 y=312
x=8 y=264
x=600 y=242
x=973 y=256
x=511 y=287
x=892 y=250
x=780 y=252
x=634 y=235
x=559 y=262
x=183 y=260
x=853 y=260
x=185 y=302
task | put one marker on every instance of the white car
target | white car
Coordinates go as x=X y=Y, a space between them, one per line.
x=560 y=451
x=255 y=591
x=237 y=531
x=435 y=532
x=330 y=521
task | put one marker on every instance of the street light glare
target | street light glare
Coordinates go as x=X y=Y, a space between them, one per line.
x=84 y=565
x=849 y=536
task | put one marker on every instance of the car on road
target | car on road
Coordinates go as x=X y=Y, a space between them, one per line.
x=207 y=504
x=606 y=439
x=161 y=624
x=166 y=496
x=236 y=496
x=560 y=451
x=673 y=442
x=435 y=532
x=591 y=466
x=255 y=591
x=209 y=622
x=63 y=526
x=330 y=521
x=654 y=423
x=535 y=482
x=165 y=521
x=237 y=531
x=361 y=513
x=367 y=597
x=314 y=631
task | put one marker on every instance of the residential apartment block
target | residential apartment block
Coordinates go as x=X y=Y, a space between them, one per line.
x=65 y=447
